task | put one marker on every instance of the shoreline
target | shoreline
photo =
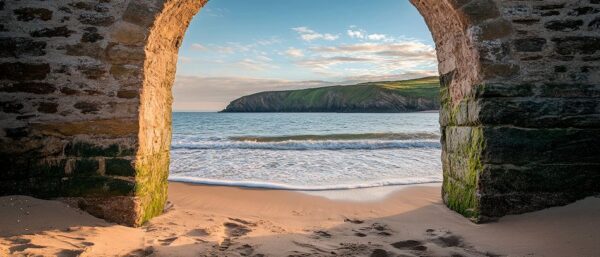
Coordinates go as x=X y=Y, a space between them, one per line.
x=285 y=187
x=229 y=221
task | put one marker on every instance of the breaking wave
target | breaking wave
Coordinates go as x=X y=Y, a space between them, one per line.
x=363 y=136
x=311 y=145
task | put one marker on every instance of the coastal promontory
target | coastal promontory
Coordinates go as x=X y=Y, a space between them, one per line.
x=385 y=97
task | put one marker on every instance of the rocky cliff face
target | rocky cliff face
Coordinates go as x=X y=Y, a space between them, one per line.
x=368 y=97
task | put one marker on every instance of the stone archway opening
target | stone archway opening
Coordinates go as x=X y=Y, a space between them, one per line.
x=86 y=102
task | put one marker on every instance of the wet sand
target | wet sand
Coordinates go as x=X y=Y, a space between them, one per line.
x=228 y=221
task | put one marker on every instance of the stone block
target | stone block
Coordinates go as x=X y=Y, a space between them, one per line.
x=19 y=47
x=96 y=19
x=119 y=167
x=24 y=71
x=535 y=44
x=62 y=31
x=577 y=45
x=30 y=13
x=84 y=149
x=38 y=88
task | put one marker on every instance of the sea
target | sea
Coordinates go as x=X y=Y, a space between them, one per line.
x=306 y=151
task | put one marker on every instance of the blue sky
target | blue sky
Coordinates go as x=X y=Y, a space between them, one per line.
x=237 y=47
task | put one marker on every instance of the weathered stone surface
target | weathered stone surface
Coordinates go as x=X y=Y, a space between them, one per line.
x=128 y=34
x=564 y=25
x=140 y=13
x=530 y=44
x=125 y=72
x=577 y=45
x=114 y=127
x=29 y=87
x=96 y=19
x=47 y=107
x=87 y=107
x=93 y=71
x=29 y=14
x=128 y=94
x=18 y=47
x=91 y=35
x=86 y=49
x=62 y=31
x=120 y=54
x=120 y=167
x=83 y=149
x=10 y=107
x=24 y=71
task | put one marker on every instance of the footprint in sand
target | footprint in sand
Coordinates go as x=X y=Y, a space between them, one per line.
x=444 y=238
x=359 y=234
x=225 y=244
x=23 y=247
x=410 y=245
x=379 y=253
x=235 y=230
x=141 y=252
x=167 y=241
x=69 y=253
x=245 y=250
x=354 y=221
x=87 y=243
x=321 y=234
x=378 y=228
x=353 y=249
x=245 y=222
x=199 y=232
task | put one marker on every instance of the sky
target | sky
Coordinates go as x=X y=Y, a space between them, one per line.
x=238 y=47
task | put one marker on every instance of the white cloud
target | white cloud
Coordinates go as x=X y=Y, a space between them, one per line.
x=307 y=34
x=407 y=49
x=225 y=49
x=199 y=47
x=184 y=59
x=355 y=33
x=215 y=12
x=260 y=63
x=294 y=52
x=324 y=62
x=377 y=37
x=371 y=58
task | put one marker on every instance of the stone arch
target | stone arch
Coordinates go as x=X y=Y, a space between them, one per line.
x=86 y=102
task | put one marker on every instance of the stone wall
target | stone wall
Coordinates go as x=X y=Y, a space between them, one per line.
x=85 y=101
x=521 y=102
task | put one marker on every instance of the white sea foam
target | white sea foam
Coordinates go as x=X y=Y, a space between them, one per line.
x=281 y=186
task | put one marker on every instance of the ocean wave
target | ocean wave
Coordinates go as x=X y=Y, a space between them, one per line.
x=310 y=145
x=363 y=136
x=281 y=186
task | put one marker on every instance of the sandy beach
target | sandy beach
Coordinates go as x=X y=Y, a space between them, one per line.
x=228 y=221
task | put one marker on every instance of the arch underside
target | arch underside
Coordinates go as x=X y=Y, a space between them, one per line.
x=86 y=102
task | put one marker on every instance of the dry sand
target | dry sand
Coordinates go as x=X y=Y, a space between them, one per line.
x=225 y=221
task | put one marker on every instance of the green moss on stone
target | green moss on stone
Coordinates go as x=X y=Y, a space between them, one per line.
x=95 y=186
x=460 y=187
x=119 y=167
x=81 y=149
x=151 y=184
x=45 y=168
x=86 y=167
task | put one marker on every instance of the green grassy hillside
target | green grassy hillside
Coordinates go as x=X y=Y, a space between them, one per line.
x=387 y=96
